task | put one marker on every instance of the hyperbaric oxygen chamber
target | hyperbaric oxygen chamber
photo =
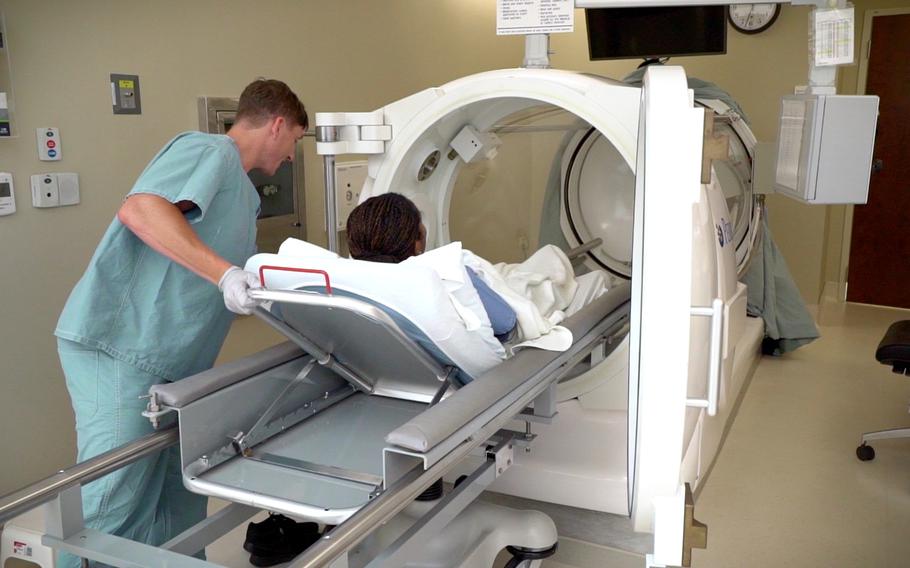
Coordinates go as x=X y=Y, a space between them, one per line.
x=508 y=161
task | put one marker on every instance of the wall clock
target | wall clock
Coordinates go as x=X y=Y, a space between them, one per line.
x=752 y=18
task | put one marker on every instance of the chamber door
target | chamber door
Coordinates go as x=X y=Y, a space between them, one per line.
x=597 y=200
x=668 y=174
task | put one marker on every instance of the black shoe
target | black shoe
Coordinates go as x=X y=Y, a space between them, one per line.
x=265 y=536
x=288 y=549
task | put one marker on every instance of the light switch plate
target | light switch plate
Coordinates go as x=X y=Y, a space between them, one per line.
x=44 y=190
x=125 y=97
x=55 y=189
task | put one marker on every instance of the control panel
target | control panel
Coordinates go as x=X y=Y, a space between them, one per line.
x=125 y=94
x=49 y=149
x=349 y=180
x=7 y=195
x=55 y=189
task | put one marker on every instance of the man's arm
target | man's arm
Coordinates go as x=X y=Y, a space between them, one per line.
x=161 y=225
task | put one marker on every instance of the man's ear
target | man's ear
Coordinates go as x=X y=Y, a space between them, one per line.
x=276 y=125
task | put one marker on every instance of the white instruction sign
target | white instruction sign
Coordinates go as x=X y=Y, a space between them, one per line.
x=515 y=17
x=833 y=37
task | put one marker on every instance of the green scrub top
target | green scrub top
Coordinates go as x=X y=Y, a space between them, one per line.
x=139 y=306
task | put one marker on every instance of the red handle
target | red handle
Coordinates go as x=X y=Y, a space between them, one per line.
x=328 y=284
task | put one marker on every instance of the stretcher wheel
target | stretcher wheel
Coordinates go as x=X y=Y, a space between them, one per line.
x=522 y=558
x=865 y=453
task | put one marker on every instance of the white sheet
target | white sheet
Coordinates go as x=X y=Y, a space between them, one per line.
x=543 y=291
x=413 y=290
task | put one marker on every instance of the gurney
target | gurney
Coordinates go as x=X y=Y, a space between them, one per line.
x=352 y=418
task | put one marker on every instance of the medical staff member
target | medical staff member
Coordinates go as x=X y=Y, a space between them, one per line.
x=150 y=307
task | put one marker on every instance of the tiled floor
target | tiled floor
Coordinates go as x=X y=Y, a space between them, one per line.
x=787 y=489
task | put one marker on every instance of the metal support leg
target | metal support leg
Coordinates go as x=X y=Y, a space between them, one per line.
x=414 y=539
x=330 y=205
x=63 y=514
x=209 y=530
x=545 y=403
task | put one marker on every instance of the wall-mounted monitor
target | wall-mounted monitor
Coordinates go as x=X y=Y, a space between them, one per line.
x=627 y=33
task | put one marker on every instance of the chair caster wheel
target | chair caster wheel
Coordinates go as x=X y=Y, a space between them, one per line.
x=865 y=453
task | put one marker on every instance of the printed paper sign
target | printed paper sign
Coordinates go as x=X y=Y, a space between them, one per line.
x=833 y=37
x=515 y=17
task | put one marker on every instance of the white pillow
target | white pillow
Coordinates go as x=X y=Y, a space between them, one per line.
x=298 y=248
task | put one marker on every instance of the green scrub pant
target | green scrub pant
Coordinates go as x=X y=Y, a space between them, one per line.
x=144 y=501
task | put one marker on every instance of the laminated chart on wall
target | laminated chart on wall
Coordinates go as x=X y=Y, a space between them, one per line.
x=834 y=37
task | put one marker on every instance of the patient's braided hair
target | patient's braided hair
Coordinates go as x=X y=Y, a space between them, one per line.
x=385 y=228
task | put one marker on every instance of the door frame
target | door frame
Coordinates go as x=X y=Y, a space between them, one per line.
x=864 y=49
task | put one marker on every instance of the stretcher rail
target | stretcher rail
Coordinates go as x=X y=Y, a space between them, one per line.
x=38 y=493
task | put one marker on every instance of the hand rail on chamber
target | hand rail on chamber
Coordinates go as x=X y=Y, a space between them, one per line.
x=40 y=492
x=580 y=250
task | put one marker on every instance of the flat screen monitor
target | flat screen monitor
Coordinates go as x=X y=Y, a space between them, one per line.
x=626 y=33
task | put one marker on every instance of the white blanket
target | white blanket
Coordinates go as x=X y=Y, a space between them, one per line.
x=543 y=291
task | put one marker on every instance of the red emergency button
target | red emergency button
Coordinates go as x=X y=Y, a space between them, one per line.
x=51 y=144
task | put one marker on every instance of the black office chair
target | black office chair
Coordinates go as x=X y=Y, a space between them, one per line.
x=893 y=350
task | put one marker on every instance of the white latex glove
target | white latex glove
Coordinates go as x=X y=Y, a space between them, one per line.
x=235 y=284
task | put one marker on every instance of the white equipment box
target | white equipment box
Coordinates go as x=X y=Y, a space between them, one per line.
x=825 y=143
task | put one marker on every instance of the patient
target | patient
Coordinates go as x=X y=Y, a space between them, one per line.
x=531 y=298
x=387 y=228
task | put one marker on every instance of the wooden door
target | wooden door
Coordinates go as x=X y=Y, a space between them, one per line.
x=879 y=267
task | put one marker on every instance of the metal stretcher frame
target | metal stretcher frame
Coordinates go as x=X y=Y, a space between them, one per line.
x=325 y=429
x=466 y=420
x=469 y=418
